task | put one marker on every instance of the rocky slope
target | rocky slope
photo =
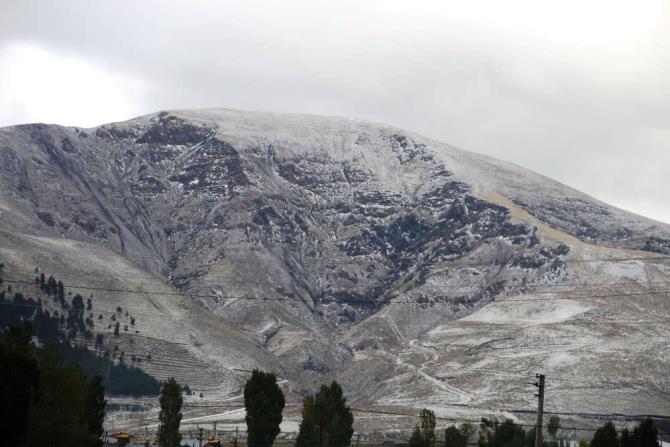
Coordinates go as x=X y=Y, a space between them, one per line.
x=415 y=272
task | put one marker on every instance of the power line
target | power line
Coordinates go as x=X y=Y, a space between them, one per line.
x=367 y=286
x=462 y=321
x=335 y=300
x=357 y=410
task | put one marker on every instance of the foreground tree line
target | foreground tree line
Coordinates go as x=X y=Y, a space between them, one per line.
x=328 y=422
x=510 y=434
x=326 y=418
x=42 y=401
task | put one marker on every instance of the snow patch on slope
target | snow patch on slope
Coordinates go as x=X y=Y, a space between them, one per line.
x=541 y=311
x=633 y=270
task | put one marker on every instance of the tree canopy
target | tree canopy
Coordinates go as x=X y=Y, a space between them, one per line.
x=505 y=434
x=327 y=421
x=45 y=402
x=19 y=383
x=644 y=434
x=457 y=436
x=424 y=432
x=553 y=425
x=264 y=403
x=605 y=436
x=170 y=414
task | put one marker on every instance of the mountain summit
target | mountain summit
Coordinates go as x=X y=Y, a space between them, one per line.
x=416 y=273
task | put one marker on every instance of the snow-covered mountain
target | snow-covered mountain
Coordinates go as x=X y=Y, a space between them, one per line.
x=416 y=273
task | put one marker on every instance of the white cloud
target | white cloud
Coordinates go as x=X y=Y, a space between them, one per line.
x=39 y=85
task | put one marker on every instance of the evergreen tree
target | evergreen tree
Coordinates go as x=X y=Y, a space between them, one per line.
x=553 y=425
x=326 y=419
x=45 y=326
x=116 y=328
x=505 y=434
x=75 y=318
x=19 y=383
x=78 y=303
x=424 y=432
x=52 y=287
x=170 y=415
x=645 y=434
x=264 y=402
x=95 y=411
x=60 y=292
x=626 y=439
x=42 y=282
x=605 y=436
x=457 y=436
x=69 y=406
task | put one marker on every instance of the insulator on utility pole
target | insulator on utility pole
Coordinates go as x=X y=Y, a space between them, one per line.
x=540 y=409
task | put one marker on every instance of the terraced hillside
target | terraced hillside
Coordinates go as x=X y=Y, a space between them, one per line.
x=416 y=273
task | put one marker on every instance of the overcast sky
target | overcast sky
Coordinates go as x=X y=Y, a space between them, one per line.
x=576 y=90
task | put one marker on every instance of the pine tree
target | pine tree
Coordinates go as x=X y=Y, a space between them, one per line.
x=52 y=287
x=553 y=425
x=60 y=292
x=424 y=432
x=645 y=434
x=78 y=303
x=264 y=402
x=625 y=439
x=19 y=382
x=170 y=415
x=457 y=436
x=326 y=419
x=505 y=434
x=605 y=436
x=95 y=411
x=71 y=406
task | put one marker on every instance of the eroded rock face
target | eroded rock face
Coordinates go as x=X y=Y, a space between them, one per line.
x=353 y=223
x=302 y=230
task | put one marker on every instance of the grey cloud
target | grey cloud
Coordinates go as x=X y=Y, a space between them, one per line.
x=601 y=128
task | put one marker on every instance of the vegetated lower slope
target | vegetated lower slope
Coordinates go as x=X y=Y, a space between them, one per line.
x=415 y=272
x=68 y=322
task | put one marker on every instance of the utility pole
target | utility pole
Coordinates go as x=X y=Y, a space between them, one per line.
x=235 y=443
x=540 y=409
x=200 y=436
